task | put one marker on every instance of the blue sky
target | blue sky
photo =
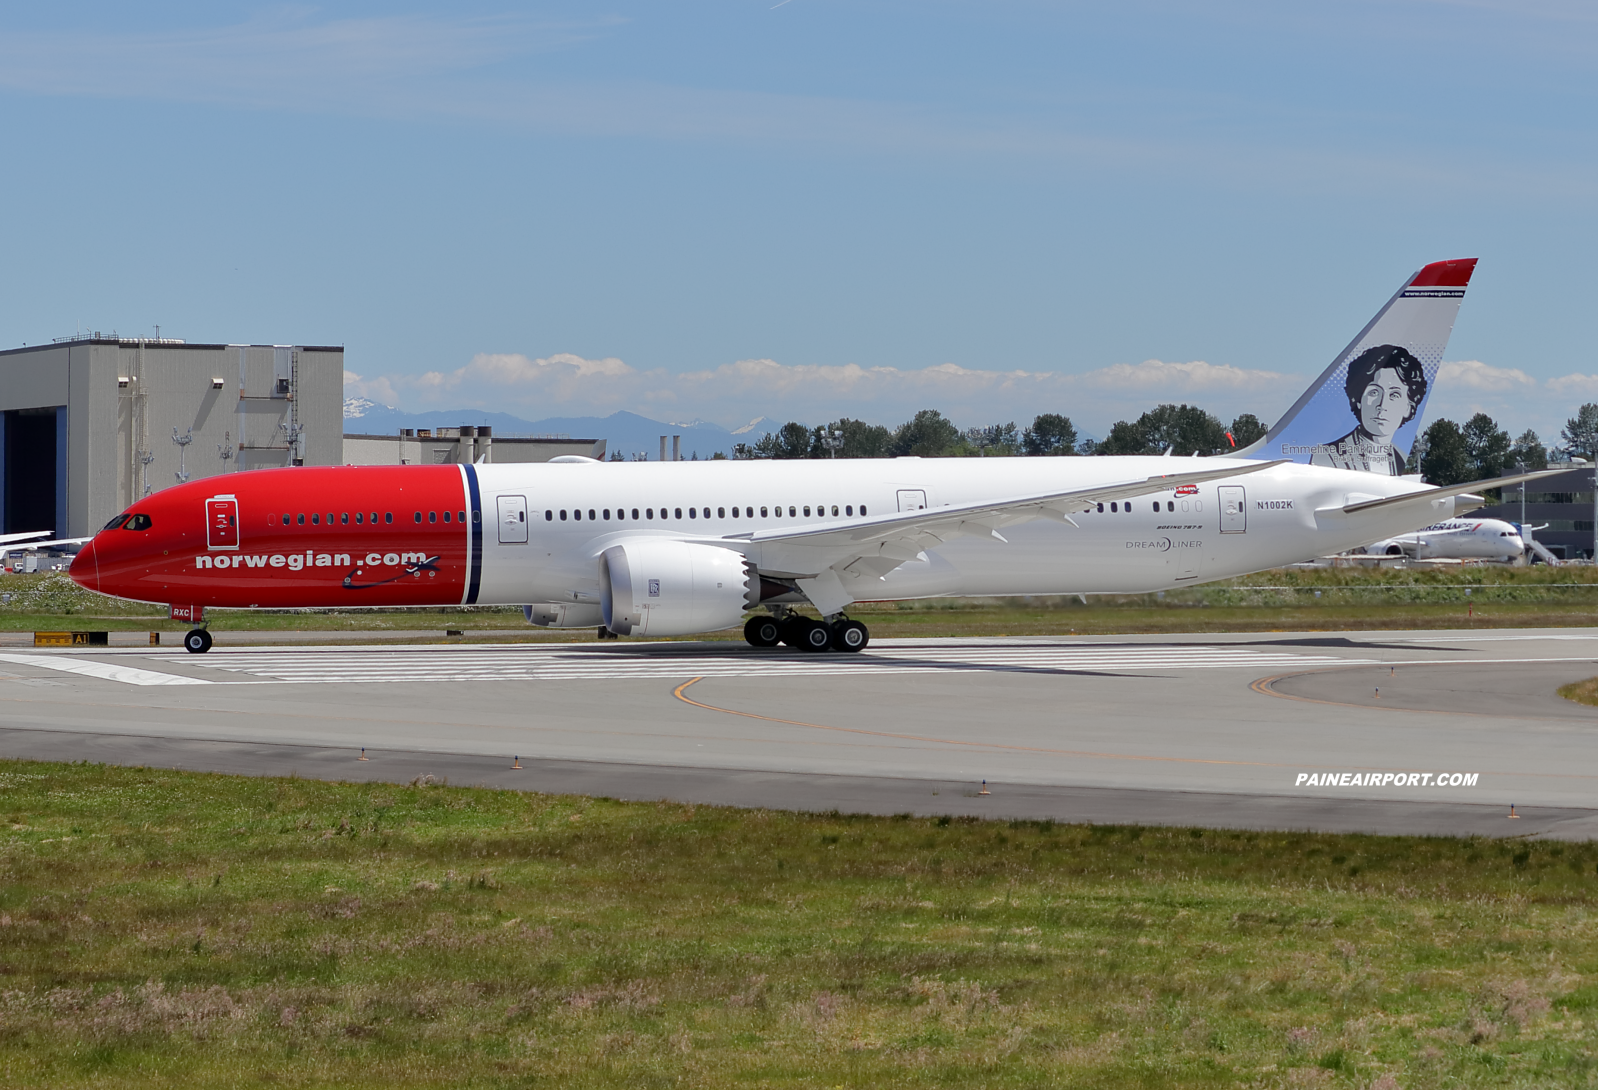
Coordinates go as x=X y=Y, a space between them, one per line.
x=812 y=209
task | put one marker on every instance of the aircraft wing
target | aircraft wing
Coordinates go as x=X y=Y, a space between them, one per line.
x=1426 y=496
x=823 y=558
x=10 y=543
x=6 y=539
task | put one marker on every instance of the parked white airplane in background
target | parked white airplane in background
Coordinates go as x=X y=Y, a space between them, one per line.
x=1456 y=539
x=674 y=548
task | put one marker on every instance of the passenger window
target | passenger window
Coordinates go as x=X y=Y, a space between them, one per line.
x=477 y=516
x=285 y=520
x=432 y=516
x=299 y=519
x=849 y=510
x=1101 y=509
x=549 y=516
x=330 y=518
x=834 y=509
x=418 y=517
x=388 y=518
x=763 y=513
x=649 y=512
x=374 y=518
x=862 y=508
x=679 y=512
x=139 y=522
x=563 y=514
x=1170 y=505
x=794 y=514
x=577 y=514
x=1113 y=508
x=360 y=518
x=721 y=512
x=591 y=514
x=446 y=516
x=635 y=512
x=460 y=516
x=807 y=510
x=606 y=513
x=693 y=513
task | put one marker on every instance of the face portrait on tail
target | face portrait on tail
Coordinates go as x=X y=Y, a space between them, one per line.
x=1385 y=388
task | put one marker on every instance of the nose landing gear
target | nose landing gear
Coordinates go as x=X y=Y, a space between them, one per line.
x=197 y=642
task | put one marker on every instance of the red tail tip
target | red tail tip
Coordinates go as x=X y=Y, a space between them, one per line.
x=1445 y=274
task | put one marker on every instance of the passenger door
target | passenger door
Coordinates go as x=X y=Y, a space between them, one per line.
x=512 y=520
x=222 y=523
x=1234 y=516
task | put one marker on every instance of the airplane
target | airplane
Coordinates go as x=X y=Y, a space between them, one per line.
x=679 y=548
x=1456 y=539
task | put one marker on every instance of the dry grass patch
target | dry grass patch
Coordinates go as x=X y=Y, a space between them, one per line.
x=1582 y=692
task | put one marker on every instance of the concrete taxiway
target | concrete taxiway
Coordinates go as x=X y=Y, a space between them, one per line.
x=1428 y=732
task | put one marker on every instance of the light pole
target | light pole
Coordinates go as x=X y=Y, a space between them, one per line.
x=183 y=442
x=832 y=440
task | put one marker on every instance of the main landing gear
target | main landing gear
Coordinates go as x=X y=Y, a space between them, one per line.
x=837 y=633
x=197 y=642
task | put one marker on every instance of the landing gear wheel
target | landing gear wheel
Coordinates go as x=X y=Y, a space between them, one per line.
x=762 y=632
x=850 y=636
x=197 y=642
x=816 y=636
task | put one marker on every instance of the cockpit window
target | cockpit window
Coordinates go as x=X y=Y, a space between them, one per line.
x=118 y=521
x=138 y=522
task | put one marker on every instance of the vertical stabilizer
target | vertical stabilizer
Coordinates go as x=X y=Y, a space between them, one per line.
x=1365 y=409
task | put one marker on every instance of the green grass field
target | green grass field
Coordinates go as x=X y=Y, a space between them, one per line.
x=174 y=929
x=1342 y=599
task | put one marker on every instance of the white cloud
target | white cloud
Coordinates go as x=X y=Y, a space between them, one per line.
x=1574 y=385
x=565 y=384
x=379 y=390
x=1193 y=377
x=1477 y=375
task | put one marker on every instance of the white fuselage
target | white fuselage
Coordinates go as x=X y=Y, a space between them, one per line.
x=1281 y=515
x=1456 y=539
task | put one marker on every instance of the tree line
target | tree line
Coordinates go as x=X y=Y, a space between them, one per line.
x=1449 y=453
x=1182 y=429
x=1445 y=453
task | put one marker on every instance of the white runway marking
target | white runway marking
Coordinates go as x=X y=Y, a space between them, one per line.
x=355 y=666
x=128 y=675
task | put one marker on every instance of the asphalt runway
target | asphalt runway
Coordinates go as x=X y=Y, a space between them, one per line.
x=1390 y=732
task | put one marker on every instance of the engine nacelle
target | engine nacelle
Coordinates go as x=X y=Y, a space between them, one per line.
x=674 y=588
x=564 y=615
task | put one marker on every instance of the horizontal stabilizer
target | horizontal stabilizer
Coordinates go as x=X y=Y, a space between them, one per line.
x=1449 y=490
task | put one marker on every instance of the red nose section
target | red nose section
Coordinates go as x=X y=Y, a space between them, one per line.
x=85 y=570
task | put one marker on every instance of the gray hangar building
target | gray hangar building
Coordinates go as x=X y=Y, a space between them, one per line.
x=91 y=424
